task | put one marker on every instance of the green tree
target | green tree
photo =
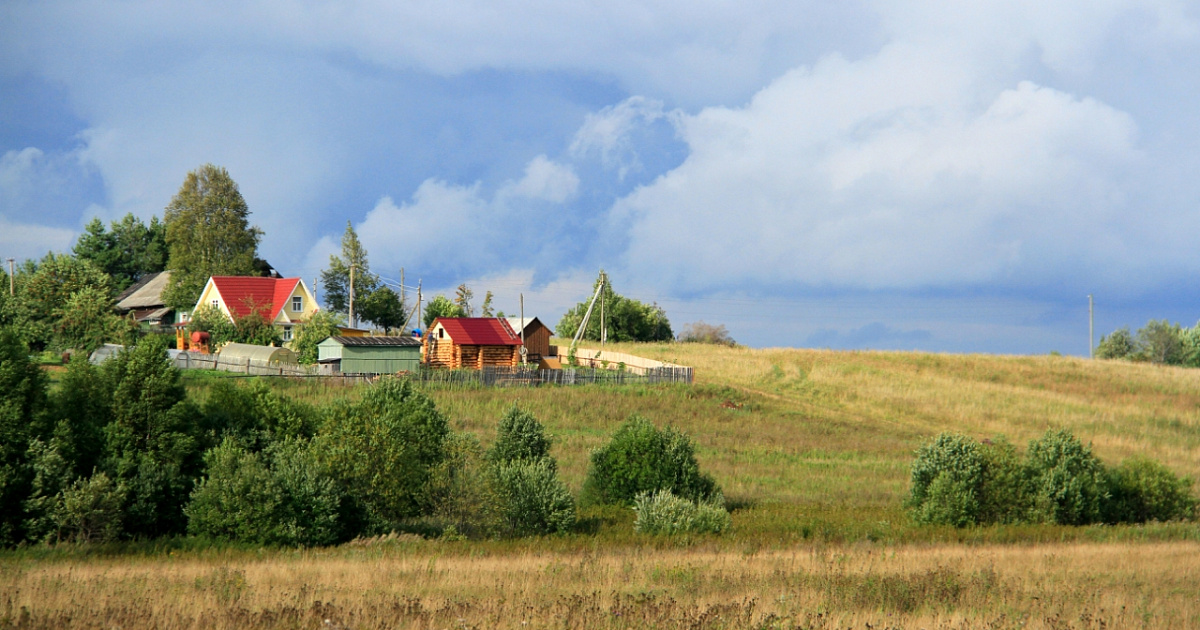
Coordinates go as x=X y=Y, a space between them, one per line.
x=383 y=448
x=208 y=234
x=441 y=306
x=383 y=308
x=1068 y=481
x=321 y=326
x=486 y=309
x=151 y=443
x=279 y=497
x=625 y=319
x=520 y=437
x=335 y=279
x=87 y=321
x=1116 y=345
x=126 y=253
x=1160 y=342
x=462 y=299
x=210 y=319
x=56 y=278
x=947 y=481
x=23 y=418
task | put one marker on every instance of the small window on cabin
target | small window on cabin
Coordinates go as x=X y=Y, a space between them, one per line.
x=441 y=333
x=297 y=303
x=287 y=333
x=216 y=304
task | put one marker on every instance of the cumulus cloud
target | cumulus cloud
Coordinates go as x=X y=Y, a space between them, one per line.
x=888 y=173
x=462 y=229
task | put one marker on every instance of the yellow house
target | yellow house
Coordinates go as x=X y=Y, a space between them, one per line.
x=285 y=302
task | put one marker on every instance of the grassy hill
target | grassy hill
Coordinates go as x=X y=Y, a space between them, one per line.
x=812 y=447
x=818 y=443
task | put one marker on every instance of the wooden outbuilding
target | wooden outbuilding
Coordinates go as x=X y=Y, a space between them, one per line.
x=369 y=355
x=471 y=342
x=537 y=338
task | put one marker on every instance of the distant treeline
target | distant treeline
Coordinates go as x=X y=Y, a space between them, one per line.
x=1159 y=341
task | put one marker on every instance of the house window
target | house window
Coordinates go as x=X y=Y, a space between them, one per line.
x=287 y=333
x=216 y=304
x=441 y=333
x=297 y=303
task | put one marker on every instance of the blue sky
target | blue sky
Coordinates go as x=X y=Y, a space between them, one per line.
x=922 y=175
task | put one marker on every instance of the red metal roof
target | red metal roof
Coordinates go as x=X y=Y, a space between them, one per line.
x=479 y=331
x=270 y=295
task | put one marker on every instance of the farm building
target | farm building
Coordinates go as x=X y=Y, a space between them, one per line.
x=537 y=338
x=369 y=355
x=251 y=355
x=471 y=342
x=143 y=300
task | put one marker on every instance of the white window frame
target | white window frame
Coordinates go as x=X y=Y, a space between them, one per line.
x=287 y=333
x=297 y=303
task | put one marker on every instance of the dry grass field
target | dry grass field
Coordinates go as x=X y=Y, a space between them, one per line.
x=812 y=449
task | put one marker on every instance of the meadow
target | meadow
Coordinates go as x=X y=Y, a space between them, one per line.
x=812 y=449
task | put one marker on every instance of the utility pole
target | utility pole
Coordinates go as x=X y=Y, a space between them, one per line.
x=603 y=330
x=420 y=322
x=1091 y=329
x=402 y=285
x=524 y=352
x=11 y=277
x=352 y=296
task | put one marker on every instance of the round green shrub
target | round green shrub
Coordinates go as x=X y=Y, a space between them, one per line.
x=641 y=458
x=520 y=437
x=1142 y=490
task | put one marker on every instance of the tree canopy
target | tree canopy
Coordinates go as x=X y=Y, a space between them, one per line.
x=625 y=319
x=208 y=234
x=335 y=279
x=128 y=251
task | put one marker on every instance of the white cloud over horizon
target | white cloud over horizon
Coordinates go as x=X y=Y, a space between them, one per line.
x=1021 y=149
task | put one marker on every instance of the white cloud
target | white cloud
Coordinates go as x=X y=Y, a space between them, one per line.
x=460 y=229
x=544 y=180
x=29 y=240
x=891 y=172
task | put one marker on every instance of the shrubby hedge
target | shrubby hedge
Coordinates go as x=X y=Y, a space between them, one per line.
x=959 y=481
x=661 y=512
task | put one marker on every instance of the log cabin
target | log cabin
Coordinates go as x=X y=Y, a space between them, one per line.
x=471 y=343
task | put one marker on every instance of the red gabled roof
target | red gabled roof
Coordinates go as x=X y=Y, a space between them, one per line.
x=479 y=331
x=270 y=295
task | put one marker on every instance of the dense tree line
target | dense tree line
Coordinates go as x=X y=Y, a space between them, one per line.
x=122 y=451
x=960 y=481
x=624 y=319
x=1159 y=341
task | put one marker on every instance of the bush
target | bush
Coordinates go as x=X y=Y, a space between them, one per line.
x=278 y=498
x=1142 y=490
x=1160 y=342
x=1067 y=480
x=383 y=449
x=90 y=510
x=661 y=512
x=530 y=499
x=520 y=437
x=947 y=481
x=700 y=332
x=461 y=489
x=640 y=458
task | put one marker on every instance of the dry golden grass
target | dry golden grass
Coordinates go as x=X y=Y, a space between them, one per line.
x=814 y=446
x=447 y=585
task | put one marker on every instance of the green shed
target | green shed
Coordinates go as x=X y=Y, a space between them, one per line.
x=369 y=355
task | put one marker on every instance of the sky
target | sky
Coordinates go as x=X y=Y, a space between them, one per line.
x=925 y=175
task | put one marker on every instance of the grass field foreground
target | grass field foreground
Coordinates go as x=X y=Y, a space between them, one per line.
x=429 y=584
